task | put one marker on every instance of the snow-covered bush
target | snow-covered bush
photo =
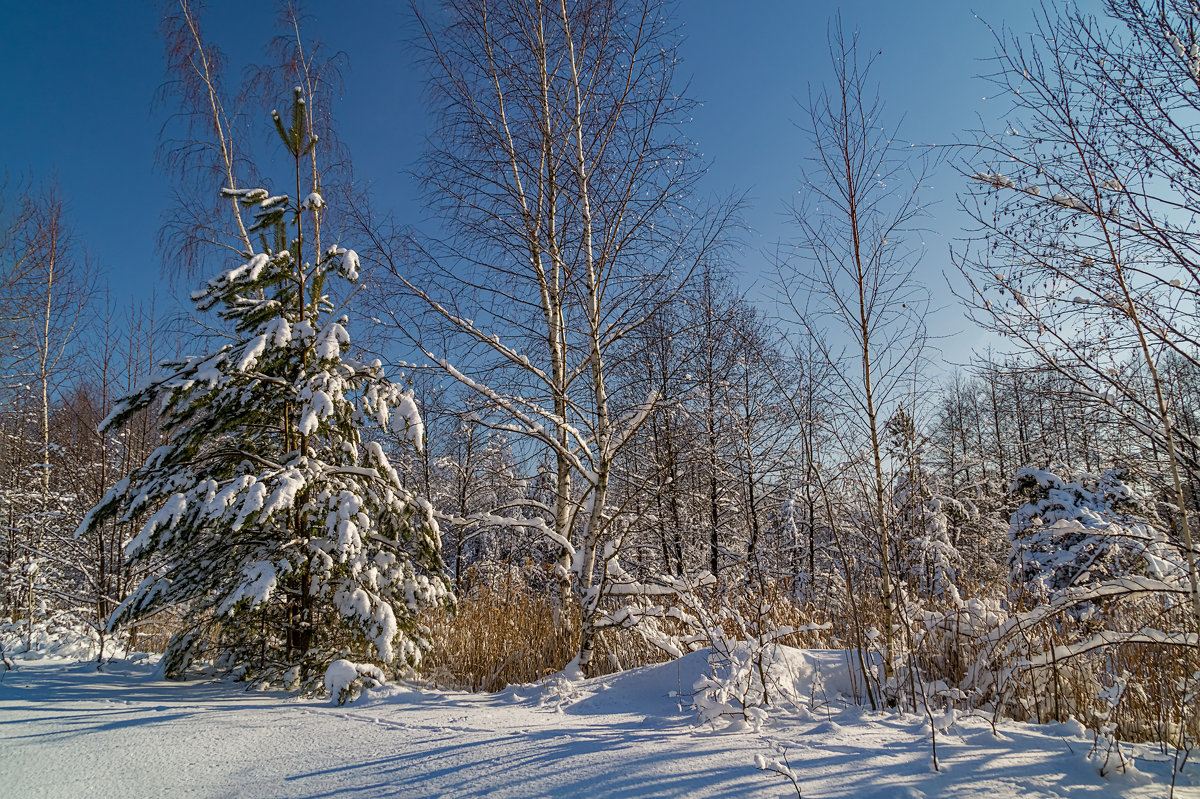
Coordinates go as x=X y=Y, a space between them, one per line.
x=947 y=636
x=751 y=667
x=284 y=530
x=747 y=679
x=65 y=634
x=1062 y=658
x=1101 y=599
x=1073 y=530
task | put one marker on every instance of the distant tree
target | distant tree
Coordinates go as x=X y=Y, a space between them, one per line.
x=476 y=478
x=665 y=448
x=46 y=286
x=710 y=348
x=116 y=357
x=925 y=517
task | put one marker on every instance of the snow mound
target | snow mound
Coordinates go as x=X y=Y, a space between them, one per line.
x=668 y=690
x=339 y=675
x=662 y=690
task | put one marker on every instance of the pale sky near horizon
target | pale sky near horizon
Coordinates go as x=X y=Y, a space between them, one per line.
x=80 y=107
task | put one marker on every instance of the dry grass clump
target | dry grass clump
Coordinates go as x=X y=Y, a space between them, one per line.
x=153 y=634
x=502 y=632
x=1133 y=691
x=1068 y=664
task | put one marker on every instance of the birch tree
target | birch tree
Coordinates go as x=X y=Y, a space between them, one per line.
x=562 y=176
x=48 y=285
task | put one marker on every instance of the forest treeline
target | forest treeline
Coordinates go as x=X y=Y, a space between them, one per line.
x=555 y=432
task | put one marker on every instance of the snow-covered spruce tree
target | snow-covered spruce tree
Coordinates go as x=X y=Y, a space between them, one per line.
x=925 y=517
x=1075 y=530
x=286 y=534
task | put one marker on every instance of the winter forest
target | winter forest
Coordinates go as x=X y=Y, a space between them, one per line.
x=546 y=447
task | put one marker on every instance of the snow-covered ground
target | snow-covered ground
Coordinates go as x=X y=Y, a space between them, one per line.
x=67 y=730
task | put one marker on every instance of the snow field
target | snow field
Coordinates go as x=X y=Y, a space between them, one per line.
x=67 y=730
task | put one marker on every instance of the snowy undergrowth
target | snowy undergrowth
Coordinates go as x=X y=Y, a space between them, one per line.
x=745 y=683
x=61 y=635
x=634 y=733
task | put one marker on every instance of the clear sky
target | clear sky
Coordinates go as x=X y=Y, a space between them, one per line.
x=81 y=79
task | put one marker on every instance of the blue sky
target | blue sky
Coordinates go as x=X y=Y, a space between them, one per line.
x=80 y=106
